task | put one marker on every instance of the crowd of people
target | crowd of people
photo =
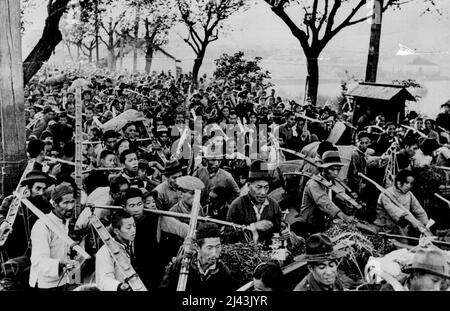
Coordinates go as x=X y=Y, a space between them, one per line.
x=149 y=142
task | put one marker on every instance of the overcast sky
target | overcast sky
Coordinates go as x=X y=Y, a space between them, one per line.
x=259 y=27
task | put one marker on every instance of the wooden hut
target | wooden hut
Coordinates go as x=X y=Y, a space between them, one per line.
x=373 y=99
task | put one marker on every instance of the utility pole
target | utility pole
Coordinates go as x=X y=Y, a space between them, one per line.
x=96 y=32
x=374 y=45
x=12 y=122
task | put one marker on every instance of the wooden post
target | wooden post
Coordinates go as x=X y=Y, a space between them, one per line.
x=78 y=147
x=12 y=121
x=374 y=45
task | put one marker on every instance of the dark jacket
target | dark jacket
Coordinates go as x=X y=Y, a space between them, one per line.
x=216 y=280
x=309 y=284
x=241 y=212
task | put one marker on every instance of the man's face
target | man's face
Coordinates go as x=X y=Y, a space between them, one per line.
x=110 y=143
x=187 y=196
x=64 y=209
x=363 y=143
x=71 y=109
x=149 y=202
x=324 y=272
x=135 y=207
x=210 y=251
x=89 y=114
x=332 y=172
x=108 y=161
x=391 y=130
x=123 y=188
x=411 y=150
x=163 y=137
x=407 y=185
x=179 y=118
x=291 y=121
x=127 y=231
x=131 y=132
x=131 y=163
x=37 y=189
x=63 y=120
x=419 y=124
x=213 y=165
x=49 y=116
x=232 y=119
x=172 y=179
x=381 y=122
x=259 y=189
x=426 y=282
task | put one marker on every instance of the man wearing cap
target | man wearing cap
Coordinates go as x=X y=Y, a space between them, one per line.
x=318 y=209
x=42 y=123
x=35 y=182
x=213 y=176
x=428 y=270
x=443 y=118
x=186 y=186
x=167 y=193
x=206 y=271
x=50 y=258
x=261 y=213
x=322 y=263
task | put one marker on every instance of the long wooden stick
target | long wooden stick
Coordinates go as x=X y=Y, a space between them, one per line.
x=442 y=198
x=180 y=215
x=185 y=262
x=396 y=236
x=52 y=226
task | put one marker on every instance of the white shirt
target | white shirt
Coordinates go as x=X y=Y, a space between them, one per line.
x=47 y=249
x=108 y=274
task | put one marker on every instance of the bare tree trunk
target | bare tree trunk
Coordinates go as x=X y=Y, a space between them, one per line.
x=136 y=35
x=12 y=129
x=313 y=77
x=51 y=37
x=149 y=58
x=197 y=65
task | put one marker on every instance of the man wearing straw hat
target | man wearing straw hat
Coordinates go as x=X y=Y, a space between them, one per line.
x=322 y=263
x=427 y=271
x=318 y=208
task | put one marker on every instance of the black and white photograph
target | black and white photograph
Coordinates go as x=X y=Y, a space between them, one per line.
x=207 y=150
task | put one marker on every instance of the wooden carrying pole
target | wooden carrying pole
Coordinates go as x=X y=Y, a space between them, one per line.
x=12 y=123
x=184 y=271
x=52 y=226
x=180 y=215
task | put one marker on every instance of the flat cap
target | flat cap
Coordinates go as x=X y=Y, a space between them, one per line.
x=190 y=183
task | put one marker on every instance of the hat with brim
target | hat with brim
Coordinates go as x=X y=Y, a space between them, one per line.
x=331 y=158
x=446 y=104
x=259 y=170
x=35 y=176
x=319 y=248
x=430 y=260
x=173 y=167
x=190 y=183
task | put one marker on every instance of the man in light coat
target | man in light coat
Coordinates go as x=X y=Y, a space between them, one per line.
x=108 y=274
